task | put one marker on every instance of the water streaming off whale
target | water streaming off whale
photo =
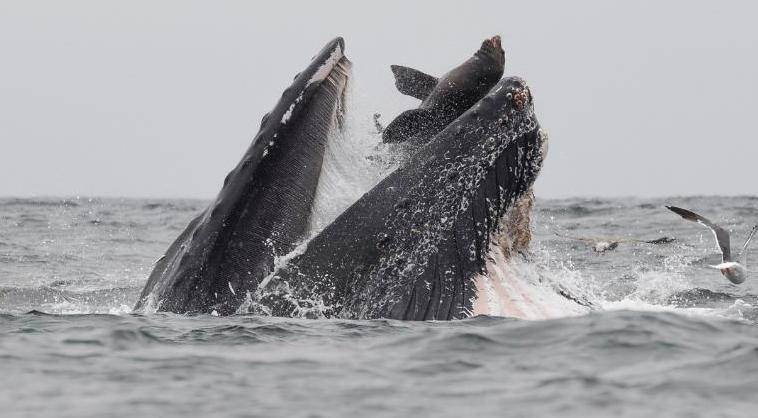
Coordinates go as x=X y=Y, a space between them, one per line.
x=354 y=162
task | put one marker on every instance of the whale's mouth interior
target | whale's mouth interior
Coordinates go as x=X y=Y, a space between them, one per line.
x=337 y=61
x=355 y=160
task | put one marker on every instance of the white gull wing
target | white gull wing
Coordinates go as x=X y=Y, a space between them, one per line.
x=722 y=235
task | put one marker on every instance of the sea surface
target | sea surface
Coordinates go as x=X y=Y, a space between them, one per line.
x=666 y=336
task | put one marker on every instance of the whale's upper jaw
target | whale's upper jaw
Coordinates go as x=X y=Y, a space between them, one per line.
x=509 y=98
x=501 y=153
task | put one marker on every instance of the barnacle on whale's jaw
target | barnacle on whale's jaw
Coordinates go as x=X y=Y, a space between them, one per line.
x=521 y=98
x=518 y=94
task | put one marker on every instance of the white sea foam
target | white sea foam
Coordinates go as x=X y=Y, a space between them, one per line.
x=643 y=278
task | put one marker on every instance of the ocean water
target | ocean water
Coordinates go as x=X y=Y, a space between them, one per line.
x=665 y=336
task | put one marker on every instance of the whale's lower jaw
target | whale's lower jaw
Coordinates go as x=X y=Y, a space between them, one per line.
x=264 y=204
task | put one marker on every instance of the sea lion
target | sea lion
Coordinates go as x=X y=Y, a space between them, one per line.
x=446 y=98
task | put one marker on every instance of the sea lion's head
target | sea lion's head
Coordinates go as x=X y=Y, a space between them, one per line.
x=492 y=50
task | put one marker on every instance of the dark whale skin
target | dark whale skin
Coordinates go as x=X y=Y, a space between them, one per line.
x=264 y=205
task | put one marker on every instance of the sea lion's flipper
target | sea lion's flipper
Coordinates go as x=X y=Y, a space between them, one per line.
x=408 y=125
x=412 y=82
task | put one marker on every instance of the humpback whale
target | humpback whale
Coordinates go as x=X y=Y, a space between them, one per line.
x=264 y=206
x=446 y=98
x=412 y=247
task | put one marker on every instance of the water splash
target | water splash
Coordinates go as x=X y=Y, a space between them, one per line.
x=355 y=160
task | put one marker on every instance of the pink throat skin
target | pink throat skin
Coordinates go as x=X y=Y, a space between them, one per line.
x=512 y=289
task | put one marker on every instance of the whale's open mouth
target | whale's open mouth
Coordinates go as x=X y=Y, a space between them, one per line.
x=412 y=246
x=409 y=248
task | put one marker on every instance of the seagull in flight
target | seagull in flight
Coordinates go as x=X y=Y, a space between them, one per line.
x=734 y=269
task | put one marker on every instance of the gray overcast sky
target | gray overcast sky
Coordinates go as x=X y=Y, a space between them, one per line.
x=161 y=98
